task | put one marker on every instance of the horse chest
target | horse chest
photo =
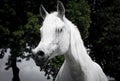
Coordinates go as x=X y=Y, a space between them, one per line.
x=70 y=73
x=76 y=72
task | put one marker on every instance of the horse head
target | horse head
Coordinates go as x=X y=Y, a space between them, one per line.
x=54 y=35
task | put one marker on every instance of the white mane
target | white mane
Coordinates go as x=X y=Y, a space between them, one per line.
x=78 y=49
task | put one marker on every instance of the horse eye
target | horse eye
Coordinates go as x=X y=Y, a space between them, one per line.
x=59 y=30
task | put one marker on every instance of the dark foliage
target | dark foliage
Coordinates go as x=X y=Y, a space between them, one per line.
x=105 y=35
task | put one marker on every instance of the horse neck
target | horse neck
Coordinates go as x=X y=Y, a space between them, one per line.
x=77 y=54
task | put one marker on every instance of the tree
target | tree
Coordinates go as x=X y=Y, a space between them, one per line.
x=13 y=35
x=78 y=11
x=105 y=35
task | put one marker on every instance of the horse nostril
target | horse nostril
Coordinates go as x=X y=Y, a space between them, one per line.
x=41 y=53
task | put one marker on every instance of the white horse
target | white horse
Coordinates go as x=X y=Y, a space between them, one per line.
x=60 y=36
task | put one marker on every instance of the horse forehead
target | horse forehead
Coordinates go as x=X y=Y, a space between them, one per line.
x=52 y=20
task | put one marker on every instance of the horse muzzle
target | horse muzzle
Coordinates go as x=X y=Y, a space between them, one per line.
x=40 y=58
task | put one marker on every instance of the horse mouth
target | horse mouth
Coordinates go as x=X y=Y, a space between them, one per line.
x=41 y=61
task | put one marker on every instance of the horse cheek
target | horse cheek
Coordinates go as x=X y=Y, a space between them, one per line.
x=64 y=44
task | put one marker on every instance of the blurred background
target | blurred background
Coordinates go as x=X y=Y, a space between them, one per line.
x=97 y=20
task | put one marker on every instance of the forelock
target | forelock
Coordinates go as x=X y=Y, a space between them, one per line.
x=53 y=19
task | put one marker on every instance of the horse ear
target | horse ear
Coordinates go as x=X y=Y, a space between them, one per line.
x=43 y=12
x=60 y=9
